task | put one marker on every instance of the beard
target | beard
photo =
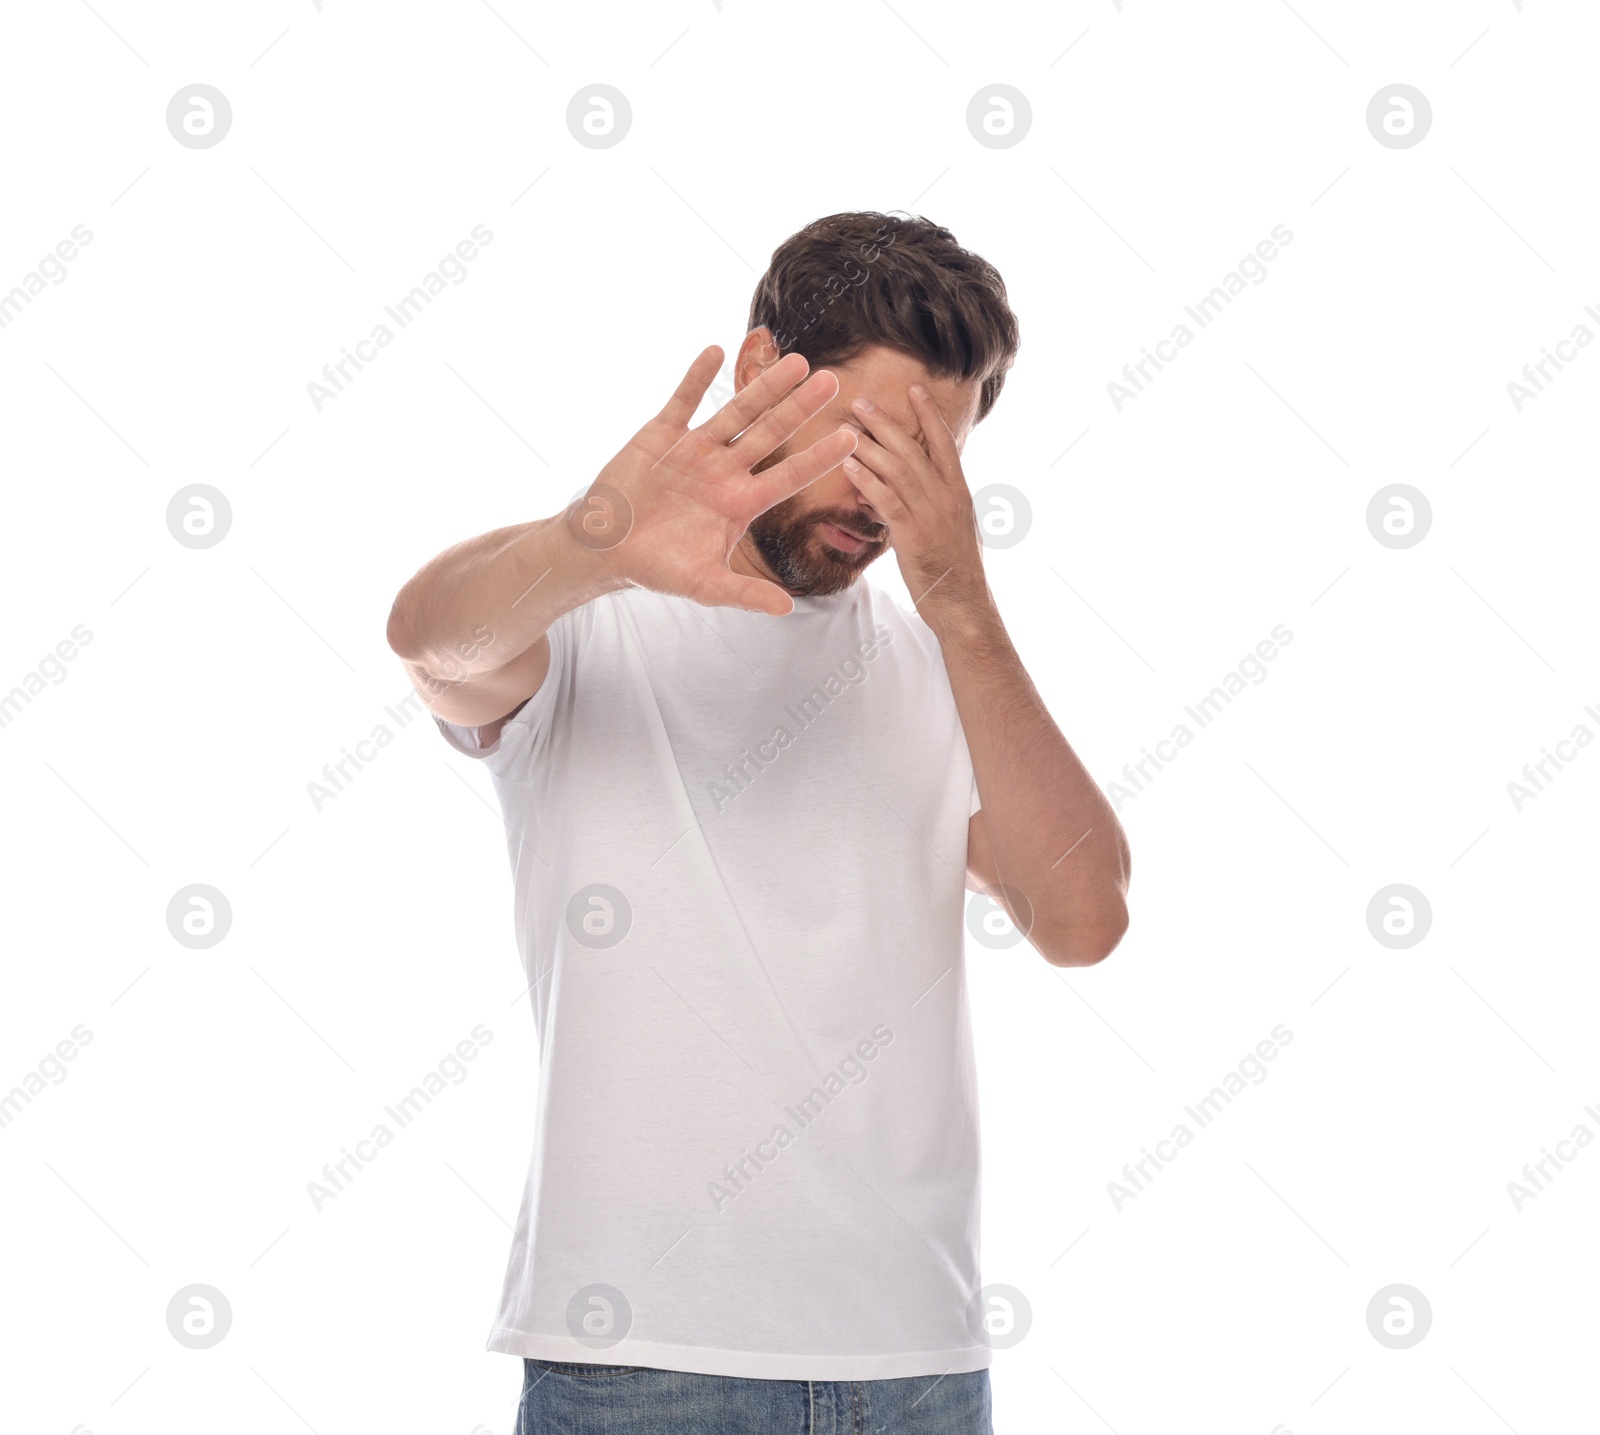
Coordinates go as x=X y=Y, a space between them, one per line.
x=788 y=536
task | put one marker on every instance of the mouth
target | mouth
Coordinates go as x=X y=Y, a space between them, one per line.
x=843 y=539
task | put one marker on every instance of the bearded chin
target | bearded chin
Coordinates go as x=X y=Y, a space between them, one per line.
x=784 y=539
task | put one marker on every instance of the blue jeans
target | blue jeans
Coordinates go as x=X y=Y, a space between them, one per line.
x=561 y=1398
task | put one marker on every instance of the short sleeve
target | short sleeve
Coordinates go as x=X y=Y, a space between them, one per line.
x=510 y=755
x=465 y=739
x=977 y=802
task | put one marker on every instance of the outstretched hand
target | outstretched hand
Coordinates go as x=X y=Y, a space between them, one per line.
x=669 y=509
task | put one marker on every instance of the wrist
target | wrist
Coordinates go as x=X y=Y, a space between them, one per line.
x=956 y=607
x=583 y=543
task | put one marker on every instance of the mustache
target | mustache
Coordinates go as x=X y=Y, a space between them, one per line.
x=867 y=532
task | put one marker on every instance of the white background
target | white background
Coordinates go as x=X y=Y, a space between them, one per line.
x=369 y=937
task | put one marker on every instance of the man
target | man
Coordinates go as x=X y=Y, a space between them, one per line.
x=742 y=791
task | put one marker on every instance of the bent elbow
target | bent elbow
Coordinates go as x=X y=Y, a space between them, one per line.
x=398 y=633
x=1085 y=946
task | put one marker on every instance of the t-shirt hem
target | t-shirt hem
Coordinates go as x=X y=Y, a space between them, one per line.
x=751 y=1365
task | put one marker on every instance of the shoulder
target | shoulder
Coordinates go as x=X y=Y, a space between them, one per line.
x=885 y=614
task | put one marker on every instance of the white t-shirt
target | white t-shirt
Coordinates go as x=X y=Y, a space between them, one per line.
x=739 y=846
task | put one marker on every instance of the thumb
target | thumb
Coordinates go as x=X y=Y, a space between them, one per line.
x=732 y=590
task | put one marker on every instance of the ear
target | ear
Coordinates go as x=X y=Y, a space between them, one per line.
x=757 y=353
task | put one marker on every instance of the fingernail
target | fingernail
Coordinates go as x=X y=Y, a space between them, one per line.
x=850 y=464
x=865 y=405
x=917 y=391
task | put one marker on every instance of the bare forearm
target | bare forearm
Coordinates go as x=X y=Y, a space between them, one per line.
x=482 y=602
x=1051 y=833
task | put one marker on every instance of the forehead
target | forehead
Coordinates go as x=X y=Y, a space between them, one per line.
x=883 y=375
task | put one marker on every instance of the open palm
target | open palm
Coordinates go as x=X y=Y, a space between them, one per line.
x=672 y=505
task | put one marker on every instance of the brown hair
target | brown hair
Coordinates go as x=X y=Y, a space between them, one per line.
x=904 y=283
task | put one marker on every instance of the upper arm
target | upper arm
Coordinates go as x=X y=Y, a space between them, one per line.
x=980 y=856
x=485 y=702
